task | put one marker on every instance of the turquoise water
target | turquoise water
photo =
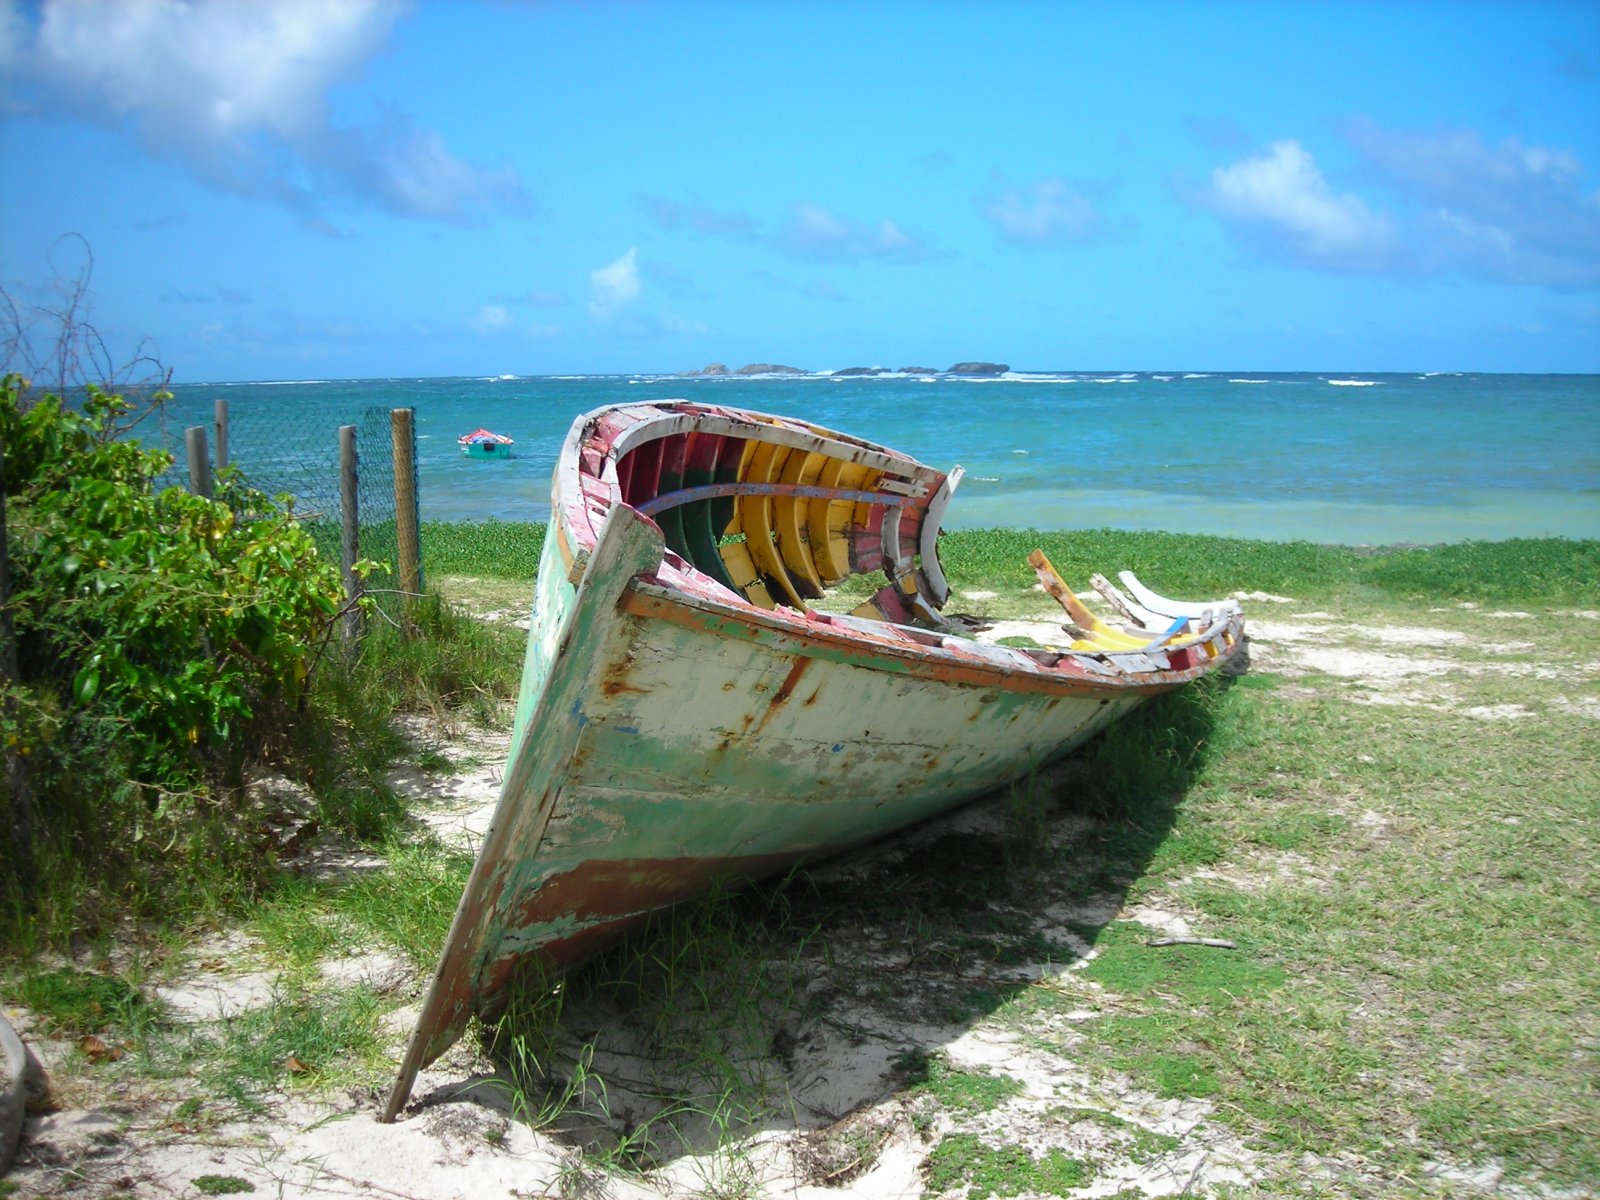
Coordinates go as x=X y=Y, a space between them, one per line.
x=1329 y=458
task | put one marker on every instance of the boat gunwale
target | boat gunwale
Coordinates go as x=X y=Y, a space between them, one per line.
x=817 y=634
x=677 y=581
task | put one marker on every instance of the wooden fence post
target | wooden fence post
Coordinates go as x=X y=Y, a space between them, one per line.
x=403 y=433
x=349 y=535
x=221 y=410
x=194 y=440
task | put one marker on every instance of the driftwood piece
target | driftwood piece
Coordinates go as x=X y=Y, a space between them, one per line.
x=1220 y=943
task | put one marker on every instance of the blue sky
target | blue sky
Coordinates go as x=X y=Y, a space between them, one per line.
x=374 y=188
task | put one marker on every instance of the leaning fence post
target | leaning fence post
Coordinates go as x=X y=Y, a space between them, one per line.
x=221 y=410
x=194 y=440
x=404 y=436
x=349 y=535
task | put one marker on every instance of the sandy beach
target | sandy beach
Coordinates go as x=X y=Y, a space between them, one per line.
x=850 y=1110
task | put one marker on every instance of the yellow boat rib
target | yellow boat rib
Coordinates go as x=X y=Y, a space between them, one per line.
x=829 y=548
x=1100 y=635
x=801 y=468
x=754 y=514
x=735 y=550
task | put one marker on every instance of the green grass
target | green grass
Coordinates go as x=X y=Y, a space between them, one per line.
x=1518 y=571
x=409 y=905
x=1410 y=890
x=1403 y=993
x=221 y=1185
x=490 y=549
x=70 y=1002
x=1512 y=572
x=301 y=1038
x=965 y=1160
x=964 y=1091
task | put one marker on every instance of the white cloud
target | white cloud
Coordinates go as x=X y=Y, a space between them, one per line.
x=13 y=33
x=1515 y=213
x=237 y=92
x=1281 y=197
x=1509 y=213
x=1046 y=211
x=813 y=232
x=492 y=318
x=684 y=326
x=615 y=285
x=669 y=214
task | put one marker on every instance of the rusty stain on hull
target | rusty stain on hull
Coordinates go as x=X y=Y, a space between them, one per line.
x=686 y=718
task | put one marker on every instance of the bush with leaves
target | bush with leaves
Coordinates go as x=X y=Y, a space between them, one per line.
x=159 y=635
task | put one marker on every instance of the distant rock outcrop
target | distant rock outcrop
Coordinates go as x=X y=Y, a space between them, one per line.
x=711 y=369
x=919 y=370
x=978 y=368
x=768 y=369
x=860 y=371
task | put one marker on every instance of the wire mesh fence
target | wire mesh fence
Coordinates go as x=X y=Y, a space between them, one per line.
x=296 y=456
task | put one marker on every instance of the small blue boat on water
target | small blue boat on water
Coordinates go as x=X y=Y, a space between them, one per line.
x=482 y=443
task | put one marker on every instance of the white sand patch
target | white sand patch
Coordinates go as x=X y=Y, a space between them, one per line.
x=330 y=858
x=1408 y=635
x=212 y=997
x=1092 y=1118
x=376 y=969
x=507 y=616
x=1369 y=665
x=979 y=595
x=458 y=805
x=1265 y=869
x=1261 y=597
x=1498 y=712
x=1587 y=614
x=1583 y=706
x=220 y=986
x=452 y=1152
x=1046 y=633
x=1158 y=920
x=1513 y=615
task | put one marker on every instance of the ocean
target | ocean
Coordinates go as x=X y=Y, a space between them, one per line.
x=1371 y=459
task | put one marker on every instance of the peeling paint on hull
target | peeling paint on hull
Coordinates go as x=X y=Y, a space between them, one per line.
x=683 y=720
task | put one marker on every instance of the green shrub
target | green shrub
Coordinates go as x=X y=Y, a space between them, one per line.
x=160 y=636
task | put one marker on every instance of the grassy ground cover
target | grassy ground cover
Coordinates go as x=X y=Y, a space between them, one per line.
x=1409 y=873
x=1393 y=815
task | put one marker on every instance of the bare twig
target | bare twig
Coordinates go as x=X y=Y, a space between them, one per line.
x=1220 y=943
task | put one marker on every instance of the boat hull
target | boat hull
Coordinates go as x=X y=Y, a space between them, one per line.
x=670 y=734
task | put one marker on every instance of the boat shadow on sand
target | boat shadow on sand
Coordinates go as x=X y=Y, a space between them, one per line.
x=791 y=1004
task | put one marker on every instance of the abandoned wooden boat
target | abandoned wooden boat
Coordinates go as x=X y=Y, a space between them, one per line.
x=687 y=715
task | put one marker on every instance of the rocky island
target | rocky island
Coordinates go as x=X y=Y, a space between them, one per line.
x=973 y=367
